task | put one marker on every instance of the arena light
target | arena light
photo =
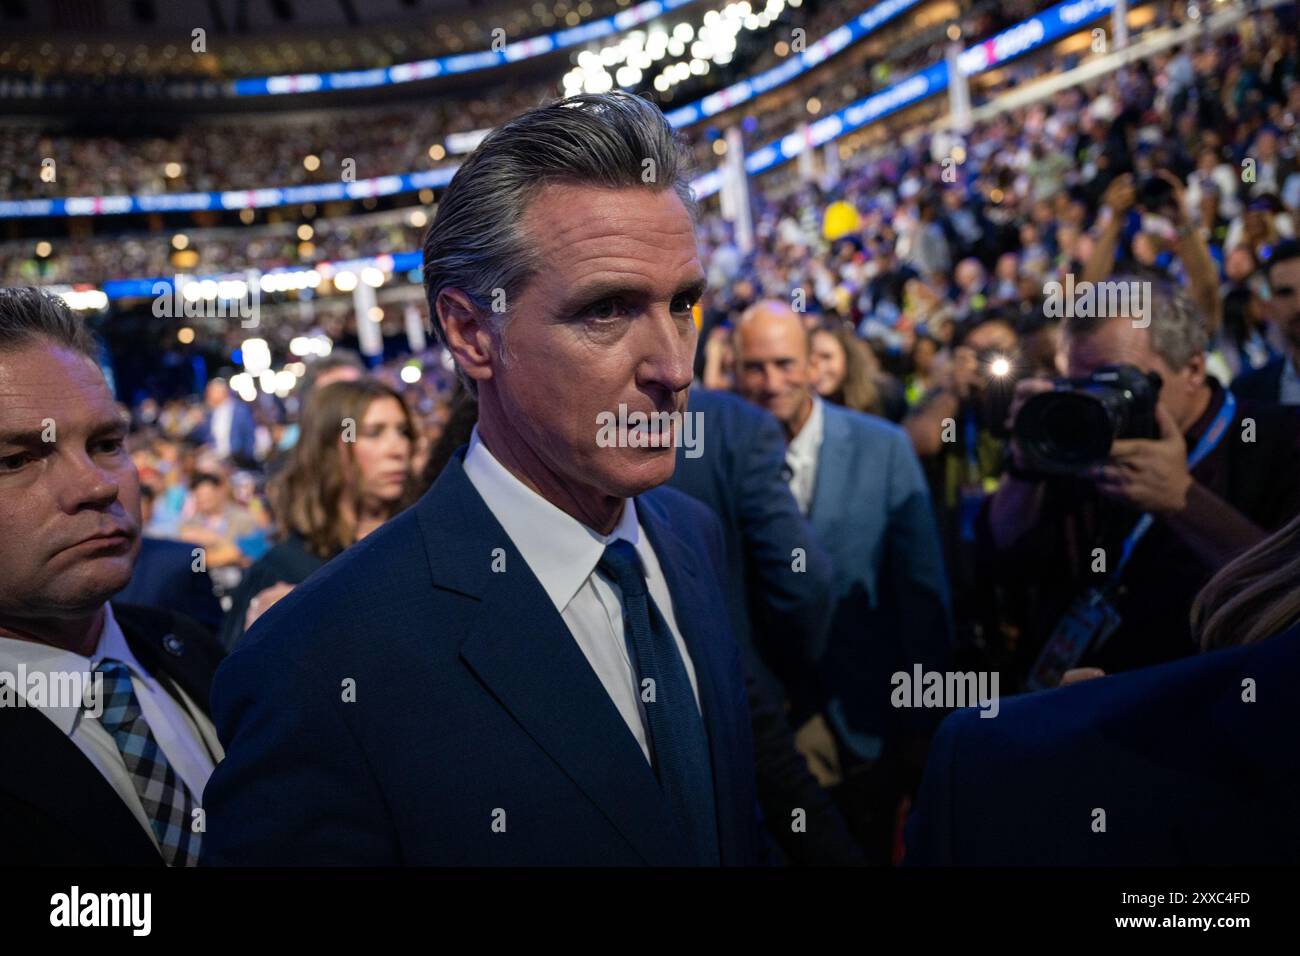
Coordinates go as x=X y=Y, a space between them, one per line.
x=410 y=374
x=370 y=276
x=345 y=281
x=243 y=385
x=247 y=201
x=83 y=300
x=256 y=355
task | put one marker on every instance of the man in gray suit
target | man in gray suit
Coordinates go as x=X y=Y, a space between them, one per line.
x=858 y=481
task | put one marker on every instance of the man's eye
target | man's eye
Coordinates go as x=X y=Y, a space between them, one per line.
x=15 y=461
x=606 y=310
x=685 y=302
x=110 y=446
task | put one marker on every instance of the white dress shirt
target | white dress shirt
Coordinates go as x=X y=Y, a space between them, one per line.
x=563 y=553
x=223 y=423
x=1289 y=394
x=801 y=457
x=184 y=734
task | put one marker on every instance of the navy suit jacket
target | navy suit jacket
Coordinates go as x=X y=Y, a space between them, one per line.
x=871 y=509
x=473 y=707
x=164 y=577
x=1263 y=384
x=56 y=809
x=243 y=432
x=1185 y=769
x=779 y=607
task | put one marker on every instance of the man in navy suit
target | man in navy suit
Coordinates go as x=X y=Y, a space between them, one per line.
x=533 y=664
x=105 y=741
x=777 y=580
x=1188 y=763
x=229 y=427
x=858 y=480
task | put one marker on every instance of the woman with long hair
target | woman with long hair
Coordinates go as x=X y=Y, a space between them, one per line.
x=1254 y=596
x=845 y=371
x=348 y=473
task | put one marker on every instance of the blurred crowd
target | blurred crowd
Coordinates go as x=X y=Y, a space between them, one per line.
x=249 y=153
x=359 y=48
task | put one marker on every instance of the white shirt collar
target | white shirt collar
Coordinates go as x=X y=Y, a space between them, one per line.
x=45 y=659
x=805 y=445
x=559 y=549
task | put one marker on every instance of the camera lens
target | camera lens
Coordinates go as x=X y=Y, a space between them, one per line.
x=1070 y=429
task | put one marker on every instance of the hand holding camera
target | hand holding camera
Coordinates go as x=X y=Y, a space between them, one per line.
x=1148 y=475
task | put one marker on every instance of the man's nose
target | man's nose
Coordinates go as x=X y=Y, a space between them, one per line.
x=669 y=353
x=84 y=484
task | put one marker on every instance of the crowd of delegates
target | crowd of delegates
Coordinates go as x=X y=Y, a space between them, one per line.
x=361 y=47
x=206 y=160
x=262 y=490
x=212 y=252
x=270 y=152
x=890 y=332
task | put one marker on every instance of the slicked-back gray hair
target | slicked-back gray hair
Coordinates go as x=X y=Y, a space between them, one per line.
x=476 y=243
x=1177 y=328
x=28 y=315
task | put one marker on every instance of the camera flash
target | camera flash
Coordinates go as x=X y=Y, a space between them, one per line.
x=1000 y=366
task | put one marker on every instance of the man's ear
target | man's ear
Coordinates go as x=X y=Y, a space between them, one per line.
x=1195 y=370
x=468 y=332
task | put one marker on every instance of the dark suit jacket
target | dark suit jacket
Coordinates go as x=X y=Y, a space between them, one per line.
x=739 y=477
x=473 y=706
x=779 y=614
x=1263 y=384
x=55 y=807
x=1186 y=771
x=165 y=577
x=289 y=561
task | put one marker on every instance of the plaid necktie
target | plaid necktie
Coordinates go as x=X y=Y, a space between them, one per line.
x=167 y=802
x=679 y=745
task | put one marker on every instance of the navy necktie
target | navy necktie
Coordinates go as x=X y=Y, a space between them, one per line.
x=679 y=746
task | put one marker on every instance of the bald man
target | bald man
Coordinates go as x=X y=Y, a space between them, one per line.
x=858 y=481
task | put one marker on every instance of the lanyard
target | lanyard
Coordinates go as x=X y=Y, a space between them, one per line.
x=1209 y=441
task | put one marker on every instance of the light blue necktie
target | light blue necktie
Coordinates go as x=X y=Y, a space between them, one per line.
x=167 y=802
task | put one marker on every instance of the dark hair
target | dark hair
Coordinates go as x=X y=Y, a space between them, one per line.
x=1284 y=251
x=28 y=314
x=476 y=243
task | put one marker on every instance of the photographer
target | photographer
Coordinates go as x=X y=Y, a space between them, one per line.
x=1086 y=574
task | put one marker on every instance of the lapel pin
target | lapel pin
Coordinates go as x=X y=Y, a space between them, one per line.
x=173 y=645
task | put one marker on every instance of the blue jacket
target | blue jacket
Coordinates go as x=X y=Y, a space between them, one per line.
x=406 y=703
x=1185 y=769
x=164 y=577
x=871 y=509
x=777 y=576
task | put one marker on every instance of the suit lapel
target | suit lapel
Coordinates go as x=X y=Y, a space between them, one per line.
x=520 y=648
x=47 y=771
x=831 y=484
x=686 y=581
x=175 y=665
